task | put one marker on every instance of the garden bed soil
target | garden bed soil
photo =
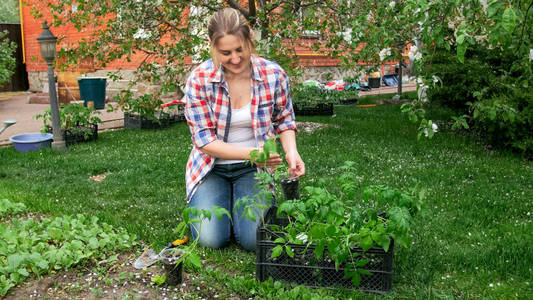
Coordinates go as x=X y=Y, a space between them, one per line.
x=114 y=280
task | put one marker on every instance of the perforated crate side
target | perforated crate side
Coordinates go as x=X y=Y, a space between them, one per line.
x=137 y=122
x=321 y=109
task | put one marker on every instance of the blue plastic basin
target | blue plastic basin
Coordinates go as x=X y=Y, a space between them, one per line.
x=31 y=141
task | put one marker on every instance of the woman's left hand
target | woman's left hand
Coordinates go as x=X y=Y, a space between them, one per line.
x=296 y=164
x=273 y=162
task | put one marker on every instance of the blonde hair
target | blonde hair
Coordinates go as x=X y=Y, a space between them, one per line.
x=229 y=21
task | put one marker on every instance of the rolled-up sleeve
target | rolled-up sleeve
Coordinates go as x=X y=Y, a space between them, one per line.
x=197 y=112
x=283 y=116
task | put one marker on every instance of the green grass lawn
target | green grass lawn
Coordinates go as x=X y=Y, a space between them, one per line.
x=474 y=242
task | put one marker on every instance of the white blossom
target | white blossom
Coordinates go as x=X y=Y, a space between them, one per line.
x=434 y=127
x=392 y=4
x=414 y=54
x=530 y=54
x=302 y=237
x=384 y=53
x=142 y=34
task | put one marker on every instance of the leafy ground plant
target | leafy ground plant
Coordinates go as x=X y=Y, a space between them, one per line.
x=39 y=245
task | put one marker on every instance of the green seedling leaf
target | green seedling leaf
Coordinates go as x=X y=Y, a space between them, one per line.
x=249 y=213
x=279 y=240
x=220 y=211
x=276 y=251
x=319 y=249
x=159 y=280
x=356 y=279
x=289 y=251
x=195 y=260
x=366 y=243
x=362 y=262
x=364 y=272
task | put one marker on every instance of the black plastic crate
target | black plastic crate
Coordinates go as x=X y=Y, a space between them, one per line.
x=138 y=122
x=320 y=109
x=77 y=134
x=177 y=118
x=306 y=269
x=348 y=101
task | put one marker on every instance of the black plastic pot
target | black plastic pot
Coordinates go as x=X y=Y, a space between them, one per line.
x=290 y=188
x=137 y=122
x=174 y=272
x=77 y=134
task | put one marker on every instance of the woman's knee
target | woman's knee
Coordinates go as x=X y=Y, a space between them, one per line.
x=248 y=243
x=214 y=237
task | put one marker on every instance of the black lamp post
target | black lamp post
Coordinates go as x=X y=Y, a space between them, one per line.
x=47 y=42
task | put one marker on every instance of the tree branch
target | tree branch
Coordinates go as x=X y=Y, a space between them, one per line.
x=524 y=25
x=253 y=12
x=235 y=5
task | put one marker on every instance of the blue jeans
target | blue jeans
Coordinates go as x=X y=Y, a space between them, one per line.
x=222 y=187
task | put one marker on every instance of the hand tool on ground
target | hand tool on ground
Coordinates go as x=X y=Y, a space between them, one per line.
x=150 y=257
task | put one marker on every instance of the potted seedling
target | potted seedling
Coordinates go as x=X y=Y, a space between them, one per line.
x=311 y=101
x=143 y=112
x=289 y=185
x=173 y=268
x=175 y=110
x=78 y=123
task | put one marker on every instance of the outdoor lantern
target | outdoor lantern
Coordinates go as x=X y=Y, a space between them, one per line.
x=47 y=41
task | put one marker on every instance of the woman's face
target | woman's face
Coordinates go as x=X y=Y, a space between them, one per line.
x=232 y=54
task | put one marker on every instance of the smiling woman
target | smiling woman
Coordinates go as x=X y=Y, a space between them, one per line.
x=234 y=103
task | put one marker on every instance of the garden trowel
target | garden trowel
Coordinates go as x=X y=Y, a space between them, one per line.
x=150 y=257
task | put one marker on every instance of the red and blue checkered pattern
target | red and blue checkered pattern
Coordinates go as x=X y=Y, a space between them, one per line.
x=208 y=110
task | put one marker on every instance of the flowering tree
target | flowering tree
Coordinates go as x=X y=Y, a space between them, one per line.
x=166 y=32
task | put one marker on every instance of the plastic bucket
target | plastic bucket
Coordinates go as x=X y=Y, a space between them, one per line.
x=93 y=89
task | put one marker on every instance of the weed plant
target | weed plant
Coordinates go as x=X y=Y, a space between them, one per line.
x=475 y=241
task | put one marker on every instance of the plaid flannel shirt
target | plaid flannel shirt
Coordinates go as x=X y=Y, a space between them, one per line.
x=208 y=111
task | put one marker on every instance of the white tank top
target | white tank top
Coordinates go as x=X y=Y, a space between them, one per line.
x=240 y=131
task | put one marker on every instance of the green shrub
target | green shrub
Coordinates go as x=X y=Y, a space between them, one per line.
x=507 y=120
x=7 y=61
x=493 y=89
x=458 y=80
